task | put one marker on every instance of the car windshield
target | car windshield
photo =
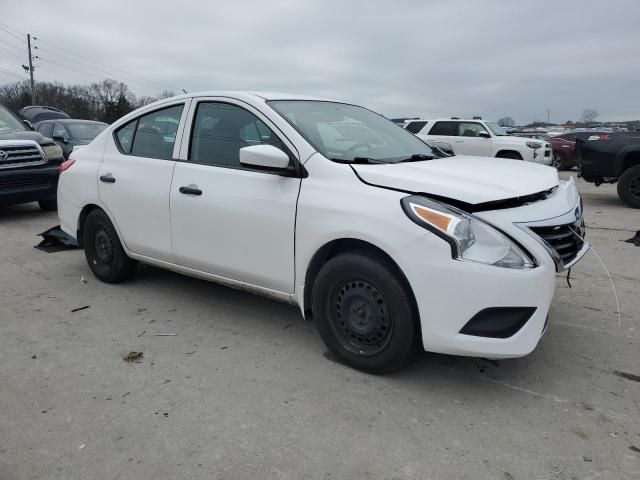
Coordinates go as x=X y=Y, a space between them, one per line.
x=85 y=131
x=9 y=123
x=497 y=130
x=347 y=132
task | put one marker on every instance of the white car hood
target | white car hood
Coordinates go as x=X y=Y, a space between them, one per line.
x=467 y=179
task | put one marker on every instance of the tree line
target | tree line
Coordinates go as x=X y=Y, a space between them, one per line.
x=105 y=101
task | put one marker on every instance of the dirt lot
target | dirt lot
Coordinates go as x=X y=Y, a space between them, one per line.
x=245 y=389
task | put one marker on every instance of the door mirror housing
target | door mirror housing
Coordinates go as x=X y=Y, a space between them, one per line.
x=484 y=135
x=58 y=138
x=264 y=156
x=28 y=124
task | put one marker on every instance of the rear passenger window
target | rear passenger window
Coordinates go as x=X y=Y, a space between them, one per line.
x=156 y=133
x=449 y=129
x=125 y=136
x=152 y=135
x=220 y=130
x=415 y=127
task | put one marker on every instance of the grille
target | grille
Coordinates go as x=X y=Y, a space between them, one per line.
x=563 y=239
x=18 y=155
x=23 y=182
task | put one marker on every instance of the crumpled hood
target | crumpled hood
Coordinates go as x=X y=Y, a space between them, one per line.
x=467 y=179
x=27 y=135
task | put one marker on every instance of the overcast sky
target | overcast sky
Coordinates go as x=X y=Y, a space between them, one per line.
x=400 y=58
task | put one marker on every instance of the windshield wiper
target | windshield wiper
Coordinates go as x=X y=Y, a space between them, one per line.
x=358 y=160
x=417 y=157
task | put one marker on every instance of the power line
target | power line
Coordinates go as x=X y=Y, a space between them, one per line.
x=6 y=29
x=7 y=72
x=111 y=74
x=11 y=45
x=157 y=85
x=66 y=67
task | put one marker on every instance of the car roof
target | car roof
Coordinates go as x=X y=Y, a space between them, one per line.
x=449 y=119
x=71 y=120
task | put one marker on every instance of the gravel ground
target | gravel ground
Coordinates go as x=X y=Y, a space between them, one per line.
x=245 y=389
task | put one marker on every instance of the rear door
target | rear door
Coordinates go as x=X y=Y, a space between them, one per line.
x=134 y=179
x=443 y=131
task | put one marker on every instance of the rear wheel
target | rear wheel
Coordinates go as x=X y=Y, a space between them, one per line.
x=103 y=250
x=50 y=205
x=559 y=161
x=512 y=155
x=364 y=313
x=629 y=187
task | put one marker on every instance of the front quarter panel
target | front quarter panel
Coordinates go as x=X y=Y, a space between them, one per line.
x=334 y=204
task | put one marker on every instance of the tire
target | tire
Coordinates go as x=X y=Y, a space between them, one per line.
x=103 y=250
x=50 y=205
x=629 y=187
x=512 y=155
x=364 y=313
x=559 y=161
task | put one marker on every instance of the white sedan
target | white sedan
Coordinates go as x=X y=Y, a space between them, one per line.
x=376 y=237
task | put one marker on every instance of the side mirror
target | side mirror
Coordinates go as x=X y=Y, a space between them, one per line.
x=265 y=156
x=28 y=124
x=58 y=138
x=444 y=147
x=484 y=135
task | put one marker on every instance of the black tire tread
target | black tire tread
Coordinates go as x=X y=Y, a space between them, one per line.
x=123 y=266
x=623 y=187
x=402 y=346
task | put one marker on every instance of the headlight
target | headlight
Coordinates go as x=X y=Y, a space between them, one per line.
x=534 y=144
x=470 y=238
x=52 y=152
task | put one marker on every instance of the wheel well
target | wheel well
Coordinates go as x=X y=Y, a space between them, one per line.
x=506 y=153
x=631 y=159
x=336 y=247
x=81 y=219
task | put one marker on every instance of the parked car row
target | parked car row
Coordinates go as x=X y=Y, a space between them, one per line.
x=480 y=138
x=30 y=160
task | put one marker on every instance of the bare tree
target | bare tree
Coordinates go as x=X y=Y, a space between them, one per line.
x=589 y=115
x=506 y=122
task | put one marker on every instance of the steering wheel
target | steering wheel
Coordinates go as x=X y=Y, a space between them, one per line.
x=358 y=145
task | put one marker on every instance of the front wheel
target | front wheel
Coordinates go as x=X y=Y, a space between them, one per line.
x=629 y=187
x=364 y=313
x=103 y=250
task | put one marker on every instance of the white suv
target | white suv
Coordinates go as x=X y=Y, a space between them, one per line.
x=329 y=206
x=481 y=138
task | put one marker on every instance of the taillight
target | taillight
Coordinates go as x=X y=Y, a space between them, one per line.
x=65 y=165
x=597 y=138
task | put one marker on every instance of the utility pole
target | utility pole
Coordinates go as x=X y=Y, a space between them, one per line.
x=548 y=115
x=33 y=87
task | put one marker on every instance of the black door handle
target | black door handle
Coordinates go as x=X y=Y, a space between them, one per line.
x=190 y=191
x=107 y=178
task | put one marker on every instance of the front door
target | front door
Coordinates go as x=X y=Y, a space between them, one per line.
x=228 y=219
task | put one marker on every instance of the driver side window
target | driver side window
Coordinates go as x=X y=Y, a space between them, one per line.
x=470 y=129
x=59 y=131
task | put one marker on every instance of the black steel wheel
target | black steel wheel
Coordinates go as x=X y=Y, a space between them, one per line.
x=103 y=250
x=365 y=312
x=362 y=321
x=629 y=187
